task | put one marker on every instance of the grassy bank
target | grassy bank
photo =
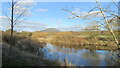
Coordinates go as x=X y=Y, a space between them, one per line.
x=23 y=51
x=88 y=41
x=20 y=58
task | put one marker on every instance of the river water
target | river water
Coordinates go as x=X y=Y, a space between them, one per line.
x=81 y=57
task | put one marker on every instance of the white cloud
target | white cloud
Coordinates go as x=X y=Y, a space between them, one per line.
x=71 y=28
x=22 y=10
x=23 y=6
x=42 y=10
x=18 y=8
x=3 y=17
x=92 y=14
x=95 y=14
x=4 y=22
x=26 y=2
x=34 y=26
x=27 y=24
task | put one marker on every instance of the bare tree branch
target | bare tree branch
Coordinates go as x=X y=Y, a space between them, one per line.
x=76 y=16
x=19 y=21
x=107 y=24
x=116 y=5
x=91 y=10
x=19 y=16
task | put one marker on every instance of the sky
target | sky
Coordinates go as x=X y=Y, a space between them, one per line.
x=43 y=15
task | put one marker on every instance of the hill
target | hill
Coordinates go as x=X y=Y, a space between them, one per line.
x=50 y=30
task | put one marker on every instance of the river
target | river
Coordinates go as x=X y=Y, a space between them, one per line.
x=81 y=57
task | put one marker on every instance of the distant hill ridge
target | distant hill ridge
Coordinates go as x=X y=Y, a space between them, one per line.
x=50 y=30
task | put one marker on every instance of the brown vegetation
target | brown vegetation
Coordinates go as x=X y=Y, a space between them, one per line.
x=27 y=43
x=77 y=39
x=21 y=50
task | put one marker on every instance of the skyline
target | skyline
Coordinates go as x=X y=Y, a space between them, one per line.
x=43 y=15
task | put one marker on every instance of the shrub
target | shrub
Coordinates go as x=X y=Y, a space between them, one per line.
x=12 y=40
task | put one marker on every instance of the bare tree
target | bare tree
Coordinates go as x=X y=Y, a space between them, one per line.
x=109 y=19
x=16 y=13
x=104 y=18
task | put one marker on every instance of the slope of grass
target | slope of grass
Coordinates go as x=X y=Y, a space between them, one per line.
x=16 y=57
x=20 y=51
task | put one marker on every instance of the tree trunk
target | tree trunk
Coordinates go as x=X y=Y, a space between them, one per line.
x=12 y=18
x=12 y=8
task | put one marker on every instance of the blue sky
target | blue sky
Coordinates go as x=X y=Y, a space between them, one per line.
x=50 y=15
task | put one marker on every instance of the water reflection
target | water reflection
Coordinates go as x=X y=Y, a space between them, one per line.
x=80 y=57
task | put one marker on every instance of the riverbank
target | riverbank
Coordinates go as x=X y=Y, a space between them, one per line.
x=84 y=42
x=20 y=58
x=21 y=51
x=87 y=46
